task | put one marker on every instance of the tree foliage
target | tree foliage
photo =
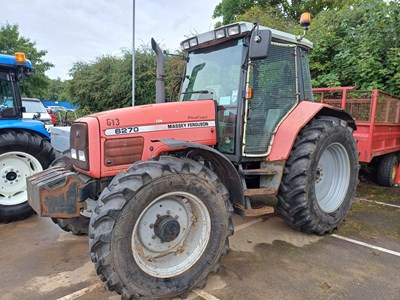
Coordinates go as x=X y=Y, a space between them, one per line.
x=358 y=45
x=106 y=83
x=356 y=42
x=11 y=42
x=231 y=10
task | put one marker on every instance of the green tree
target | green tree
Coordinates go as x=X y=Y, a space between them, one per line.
x=358 y=45
x=230 y=10
x=11 y=42
x=106 y=83
x=56 y=90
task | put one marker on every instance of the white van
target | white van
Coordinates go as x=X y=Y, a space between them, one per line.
x=33 y=107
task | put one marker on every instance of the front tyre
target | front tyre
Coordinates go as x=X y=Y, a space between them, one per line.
x=22 y=154
x=160 y=228
x=320 y=177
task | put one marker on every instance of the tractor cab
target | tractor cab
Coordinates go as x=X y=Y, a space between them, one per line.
x=12 y=69
x=255 y=74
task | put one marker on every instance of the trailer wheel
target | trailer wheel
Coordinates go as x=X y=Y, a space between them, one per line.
x=160 y=228
x=21 y=154
x=320 y=177
x=79 y=225
x=387 y=170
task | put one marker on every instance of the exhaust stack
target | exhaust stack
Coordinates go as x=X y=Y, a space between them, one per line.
x=160 y=82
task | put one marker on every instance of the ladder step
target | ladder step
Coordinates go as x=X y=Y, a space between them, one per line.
x=258 y=172
x=255 y=212
x=259 y=192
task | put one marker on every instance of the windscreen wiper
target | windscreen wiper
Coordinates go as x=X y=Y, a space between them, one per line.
x=198 y=92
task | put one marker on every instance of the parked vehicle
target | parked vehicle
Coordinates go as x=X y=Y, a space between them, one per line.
x=161 y=182
x=34 y=109
x=24 y=144
x=377 y=117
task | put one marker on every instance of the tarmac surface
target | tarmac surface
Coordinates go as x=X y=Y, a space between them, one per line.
x=268 y=260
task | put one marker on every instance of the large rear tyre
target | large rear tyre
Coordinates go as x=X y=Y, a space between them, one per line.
x=22 y=154
x=79 y=225
x=160 y=228
x=320 y=177
x=387 y=170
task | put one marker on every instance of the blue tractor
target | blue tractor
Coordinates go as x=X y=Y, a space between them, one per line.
x=24 y=144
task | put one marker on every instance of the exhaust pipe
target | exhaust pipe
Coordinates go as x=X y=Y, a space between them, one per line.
x=160 y=82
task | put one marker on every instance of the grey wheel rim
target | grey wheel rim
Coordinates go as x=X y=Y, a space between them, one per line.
x=171 y=234
x=332 y=177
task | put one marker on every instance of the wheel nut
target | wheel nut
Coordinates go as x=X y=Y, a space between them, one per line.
x=168 y=212
x=153 y=237
x=151 y=225
x=176 y=217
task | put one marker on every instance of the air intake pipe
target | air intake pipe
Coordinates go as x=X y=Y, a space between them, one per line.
x=160 y=82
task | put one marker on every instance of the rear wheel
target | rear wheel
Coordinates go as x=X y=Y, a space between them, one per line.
x=22 y=154
x=160 y=228
x=387 y=170
x=320 y=177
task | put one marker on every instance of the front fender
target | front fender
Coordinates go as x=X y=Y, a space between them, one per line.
x=28 y=125
x=296 y=120
x=223 y=167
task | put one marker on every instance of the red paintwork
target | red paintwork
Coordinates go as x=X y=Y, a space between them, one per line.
x=377 y=117
x=148 y=115
x=290 y=127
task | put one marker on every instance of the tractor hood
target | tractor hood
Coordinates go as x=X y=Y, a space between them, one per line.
x=118 y=138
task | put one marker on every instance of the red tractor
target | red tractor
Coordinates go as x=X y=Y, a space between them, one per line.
x=161 y=182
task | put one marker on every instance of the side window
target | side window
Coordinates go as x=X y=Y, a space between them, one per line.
x=7 y=102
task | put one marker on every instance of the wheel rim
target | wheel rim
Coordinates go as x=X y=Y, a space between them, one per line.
x=171 y=234
x=332 y=177
x=14 y=168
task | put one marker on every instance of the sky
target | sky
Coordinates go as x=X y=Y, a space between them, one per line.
x=79 y=30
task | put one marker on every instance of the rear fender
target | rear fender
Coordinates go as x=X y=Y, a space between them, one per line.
x=222 y=166
x=296 y=120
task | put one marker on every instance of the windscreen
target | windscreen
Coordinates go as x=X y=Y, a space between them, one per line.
x=214 y=73
x=33 y=106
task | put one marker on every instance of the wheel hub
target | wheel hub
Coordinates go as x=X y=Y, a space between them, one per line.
x=167 y=228
x=11 y=176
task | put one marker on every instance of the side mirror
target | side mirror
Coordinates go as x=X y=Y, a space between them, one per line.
x=36 y=116
x=259 y=44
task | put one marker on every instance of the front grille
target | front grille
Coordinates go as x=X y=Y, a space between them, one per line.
x=79 y=142
x=123 y=151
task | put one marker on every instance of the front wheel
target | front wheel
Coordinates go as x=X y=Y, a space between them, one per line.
x=320 y=176
x=160 y=228
x=22 y=154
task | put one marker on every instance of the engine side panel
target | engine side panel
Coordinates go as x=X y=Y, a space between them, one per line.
x=130 y=134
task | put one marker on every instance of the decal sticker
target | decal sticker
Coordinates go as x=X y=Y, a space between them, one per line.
x=161 y=127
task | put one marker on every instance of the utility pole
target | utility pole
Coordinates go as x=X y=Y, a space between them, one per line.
x=133 y=54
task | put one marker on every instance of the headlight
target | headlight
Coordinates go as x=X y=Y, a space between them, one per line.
x=193 y=42
x=233 y=30
x=220 y=33
x=73 y=154
x=81 y=155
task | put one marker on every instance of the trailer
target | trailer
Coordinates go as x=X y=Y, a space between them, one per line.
x=377 y=116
